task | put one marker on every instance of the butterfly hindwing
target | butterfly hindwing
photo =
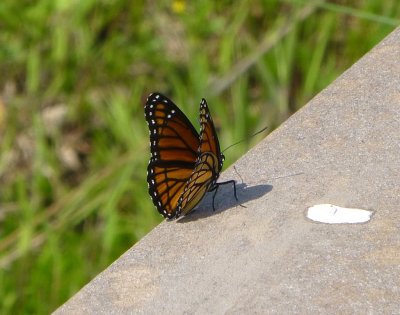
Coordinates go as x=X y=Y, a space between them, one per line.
x=199 y=182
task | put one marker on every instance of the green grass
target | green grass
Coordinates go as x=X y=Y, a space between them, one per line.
x=73 y=140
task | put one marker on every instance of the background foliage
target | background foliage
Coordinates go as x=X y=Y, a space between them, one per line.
x=73 y=141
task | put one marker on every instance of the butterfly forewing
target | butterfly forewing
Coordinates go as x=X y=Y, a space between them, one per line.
x=208 y=137
x=208 y=165
x=174 y=147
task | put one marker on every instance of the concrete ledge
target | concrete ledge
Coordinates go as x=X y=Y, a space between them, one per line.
x=269 y=258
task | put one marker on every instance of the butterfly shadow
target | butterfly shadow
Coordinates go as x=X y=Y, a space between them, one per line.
x=225 y=200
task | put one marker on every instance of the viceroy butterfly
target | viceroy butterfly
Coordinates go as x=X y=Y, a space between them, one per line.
x=184 y=165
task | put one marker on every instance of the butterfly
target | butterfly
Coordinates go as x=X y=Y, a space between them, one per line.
x=184 y=165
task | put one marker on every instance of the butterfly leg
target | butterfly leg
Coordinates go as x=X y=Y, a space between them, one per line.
x=216 y=186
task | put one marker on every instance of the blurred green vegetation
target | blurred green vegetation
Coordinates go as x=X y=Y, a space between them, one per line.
x=73 y=140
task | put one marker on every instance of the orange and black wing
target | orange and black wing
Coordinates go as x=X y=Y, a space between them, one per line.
x=208 y=165
x=174 y=145
x=208 y=137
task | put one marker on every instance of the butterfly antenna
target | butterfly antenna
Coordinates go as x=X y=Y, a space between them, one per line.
x=247 y=138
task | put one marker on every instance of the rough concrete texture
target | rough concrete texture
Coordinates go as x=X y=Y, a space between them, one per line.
x=268 y=258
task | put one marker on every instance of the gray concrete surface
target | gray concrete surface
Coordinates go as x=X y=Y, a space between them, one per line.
x=268 y=258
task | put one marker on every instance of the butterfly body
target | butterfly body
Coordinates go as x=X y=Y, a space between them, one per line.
x=184 y=165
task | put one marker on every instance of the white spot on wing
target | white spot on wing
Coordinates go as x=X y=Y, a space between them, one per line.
x=327 y=213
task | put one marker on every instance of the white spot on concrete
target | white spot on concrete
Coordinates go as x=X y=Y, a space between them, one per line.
x=327 y=213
